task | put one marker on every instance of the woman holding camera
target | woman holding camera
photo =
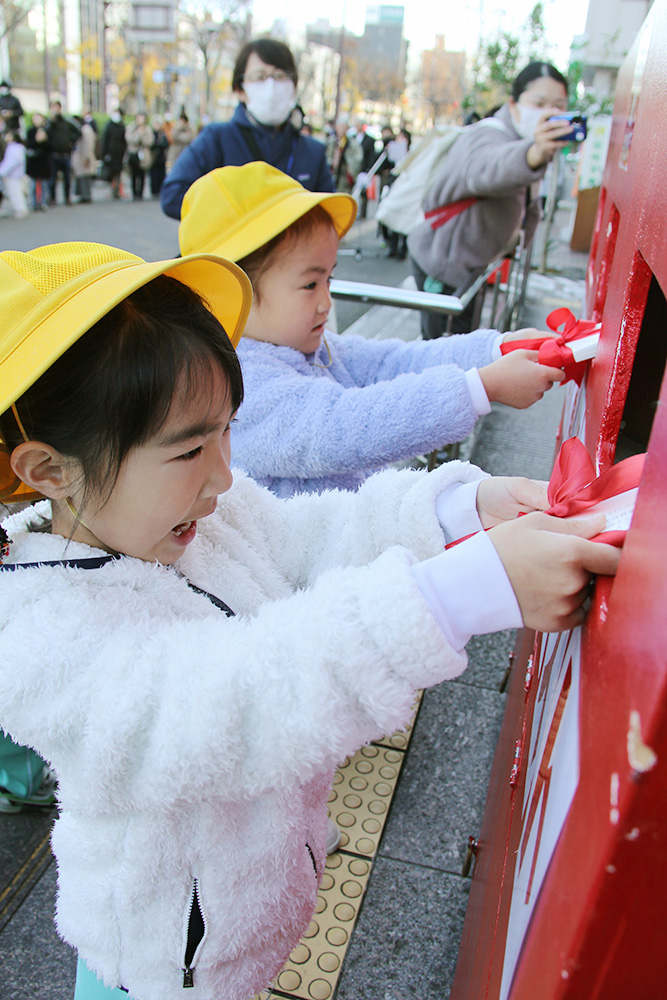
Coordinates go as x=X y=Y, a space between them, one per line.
x=489 y=182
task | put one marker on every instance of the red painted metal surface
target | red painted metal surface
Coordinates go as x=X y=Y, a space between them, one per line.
x=596 y=929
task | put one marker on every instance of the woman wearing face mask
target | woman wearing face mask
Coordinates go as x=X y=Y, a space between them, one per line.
x=499 y=161
x=265 y=126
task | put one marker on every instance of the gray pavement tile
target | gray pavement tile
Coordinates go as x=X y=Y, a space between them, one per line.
x=440 y=796
x=488 y=658
x=19 y=835
x=34 y=963
x=521 y=442
x=406 y=939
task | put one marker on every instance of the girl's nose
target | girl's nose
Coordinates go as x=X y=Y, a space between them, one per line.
x=324 y=304
x=219 y=474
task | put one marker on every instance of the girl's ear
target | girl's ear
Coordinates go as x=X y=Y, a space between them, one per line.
x=44 y=469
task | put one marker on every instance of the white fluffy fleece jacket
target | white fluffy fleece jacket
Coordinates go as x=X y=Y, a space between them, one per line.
x=195 y=751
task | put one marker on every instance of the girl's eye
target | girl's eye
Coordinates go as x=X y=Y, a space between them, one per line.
x=309 y=287
x=191 y=454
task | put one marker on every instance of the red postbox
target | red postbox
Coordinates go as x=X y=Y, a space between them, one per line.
x=569 y=889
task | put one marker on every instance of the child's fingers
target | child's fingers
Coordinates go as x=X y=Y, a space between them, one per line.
x=550 y=562
x=585 y=525
x=552 y=374
x=529 y=493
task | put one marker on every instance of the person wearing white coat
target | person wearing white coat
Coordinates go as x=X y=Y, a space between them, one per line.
x=195 y=751
x=12 y=175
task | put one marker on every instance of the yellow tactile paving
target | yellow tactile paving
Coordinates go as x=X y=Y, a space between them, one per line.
x=359 y=802
x=314 y=966
x=361 y=795
x=401 y=738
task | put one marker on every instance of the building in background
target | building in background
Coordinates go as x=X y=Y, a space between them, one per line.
x=441 y=84
x=382 y=53
x=611 y=28
x=371 y=68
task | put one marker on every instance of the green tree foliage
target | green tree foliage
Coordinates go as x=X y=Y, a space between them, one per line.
x=498 y=61
x=584 y=98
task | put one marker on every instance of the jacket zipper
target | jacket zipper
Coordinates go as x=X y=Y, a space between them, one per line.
x=195 y=937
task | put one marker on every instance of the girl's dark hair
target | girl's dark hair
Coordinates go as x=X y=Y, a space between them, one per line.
x=113 y=389
x=271 y=52
x=259 y=261
x=533 y=71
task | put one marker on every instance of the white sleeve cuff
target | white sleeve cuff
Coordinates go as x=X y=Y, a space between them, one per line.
x=478 y=396
x=456 y=510
x=468 y=590
x=496 y=353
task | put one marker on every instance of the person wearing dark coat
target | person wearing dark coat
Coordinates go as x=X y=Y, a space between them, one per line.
x=38 y=162
x=62 y=133
x=158 y=167
x=11 y=109
x=262 y=128
x=369 y=156
x=113 y=149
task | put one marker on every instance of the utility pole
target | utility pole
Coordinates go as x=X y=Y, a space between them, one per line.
x=339 y=80
x=47 y=60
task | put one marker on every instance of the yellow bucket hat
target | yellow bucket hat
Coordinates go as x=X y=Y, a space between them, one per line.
x=49 y=297
x=236 y=210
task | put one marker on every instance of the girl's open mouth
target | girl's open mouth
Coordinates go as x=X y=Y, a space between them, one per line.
x=185 y=532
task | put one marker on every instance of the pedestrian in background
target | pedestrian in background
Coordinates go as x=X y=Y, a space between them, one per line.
x=397 y=149
x=347 y=158
x=11 y=109
x=12 y=174
x=182 y=134
x=62 y=133
x=158 y=167
x=139 y=137
x=368 y=158
x=84 y=162
x=113 y=149
x=265 y=126
x=38 y=162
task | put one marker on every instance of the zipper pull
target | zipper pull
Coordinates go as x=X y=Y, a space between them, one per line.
x=188 y=978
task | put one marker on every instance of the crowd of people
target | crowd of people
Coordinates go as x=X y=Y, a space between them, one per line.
x=67 y=153
x=209 y=648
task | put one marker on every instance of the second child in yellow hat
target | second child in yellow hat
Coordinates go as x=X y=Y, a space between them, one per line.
x=194 y=656
x=325 y=411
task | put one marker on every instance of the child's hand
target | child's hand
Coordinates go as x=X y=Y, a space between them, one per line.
x=503 y=498
x=518 y=380
x=550 y=563
x=528 y=333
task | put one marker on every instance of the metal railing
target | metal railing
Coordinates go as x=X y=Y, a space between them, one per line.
x=508 y=295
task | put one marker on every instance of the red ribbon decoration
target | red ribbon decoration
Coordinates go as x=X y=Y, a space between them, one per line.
x=553 y=351
x=574 y=487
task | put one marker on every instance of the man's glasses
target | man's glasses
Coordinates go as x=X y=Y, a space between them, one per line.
x=279 y=75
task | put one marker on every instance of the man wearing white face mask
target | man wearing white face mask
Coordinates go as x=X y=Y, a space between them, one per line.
x=492 y=174
x=265 y=126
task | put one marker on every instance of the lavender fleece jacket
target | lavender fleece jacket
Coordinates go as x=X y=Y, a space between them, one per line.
x=306 y=428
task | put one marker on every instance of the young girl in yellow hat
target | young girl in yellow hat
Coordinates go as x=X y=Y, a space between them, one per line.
x=324 y=411
x=192 y=655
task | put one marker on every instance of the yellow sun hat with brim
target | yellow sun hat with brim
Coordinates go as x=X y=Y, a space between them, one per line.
x=51 y=296
x=234 y=211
